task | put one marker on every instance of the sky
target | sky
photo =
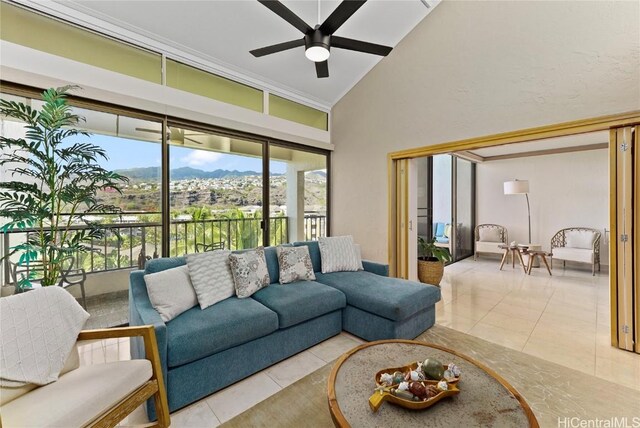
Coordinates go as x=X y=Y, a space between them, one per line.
x=125 y=153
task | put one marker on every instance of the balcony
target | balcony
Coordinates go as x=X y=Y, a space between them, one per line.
x=128 y=243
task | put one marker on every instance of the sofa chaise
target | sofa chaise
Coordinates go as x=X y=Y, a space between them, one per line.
x=203 y=351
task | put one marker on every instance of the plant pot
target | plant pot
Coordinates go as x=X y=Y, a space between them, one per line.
x=430 y=271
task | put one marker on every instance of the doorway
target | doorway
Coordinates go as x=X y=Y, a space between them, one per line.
x=620 y=282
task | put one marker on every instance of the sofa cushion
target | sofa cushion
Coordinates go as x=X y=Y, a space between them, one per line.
x=314 y=253
x=489 y=247
x=438 y=229
x=442 y=239
x=211 y=276
x=573 y=254
x=171 y=292
x=338 y=253
x=198 y=333
x=77 y=397
x=250 y=271
x=580 y=239
x=391 y=298
x=295 y=264
x=300 y=301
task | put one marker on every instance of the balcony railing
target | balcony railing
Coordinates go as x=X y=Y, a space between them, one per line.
x=127 y=245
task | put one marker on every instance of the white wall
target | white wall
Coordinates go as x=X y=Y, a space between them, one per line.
x=478 y=68
x=566 y=190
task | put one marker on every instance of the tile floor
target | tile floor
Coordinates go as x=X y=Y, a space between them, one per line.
x=563 y=319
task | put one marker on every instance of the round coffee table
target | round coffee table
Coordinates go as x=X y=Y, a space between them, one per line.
x=485 y=398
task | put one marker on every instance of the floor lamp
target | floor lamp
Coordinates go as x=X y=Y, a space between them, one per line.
x=519 y=187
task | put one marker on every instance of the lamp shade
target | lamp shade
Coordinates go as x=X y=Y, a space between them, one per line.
x=516 y=187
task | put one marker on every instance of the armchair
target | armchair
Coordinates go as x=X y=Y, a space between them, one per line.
x=577 y=244
x=96 y=395
x=488 y=238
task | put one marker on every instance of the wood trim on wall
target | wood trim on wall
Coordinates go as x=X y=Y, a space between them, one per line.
x=602 y=123
x=613 y=233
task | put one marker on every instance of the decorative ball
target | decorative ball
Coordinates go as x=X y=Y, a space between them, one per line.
x=418 y=389
x=433 y=369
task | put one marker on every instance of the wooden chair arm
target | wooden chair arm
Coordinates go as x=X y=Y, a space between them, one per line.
x=110 y=333
x=148 y=334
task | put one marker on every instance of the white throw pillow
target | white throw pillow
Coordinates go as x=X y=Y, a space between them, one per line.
x=170 y=292
x=339 y=254
x=294 y=264
x=358 y=256
x=211 y=276
x=489 y=234
x=580 y=239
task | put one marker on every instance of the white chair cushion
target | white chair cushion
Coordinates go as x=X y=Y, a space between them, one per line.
x=573 y=254
x=488 y=247
x=8 y=393
x=489 y=234
x=579 y=239
x=78 y=397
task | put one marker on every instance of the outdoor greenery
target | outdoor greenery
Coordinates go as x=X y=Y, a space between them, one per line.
x=56 y=187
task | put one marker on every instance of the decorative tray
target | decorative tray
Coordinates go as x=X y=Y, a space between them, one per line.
x=401 y=392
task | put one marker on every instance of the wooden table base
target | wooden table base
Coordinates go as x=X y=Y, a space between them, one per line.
x=515 y=251
x=532 y=257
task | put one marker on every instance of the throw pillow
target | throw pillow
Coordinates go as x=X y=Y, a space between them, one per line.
x=338 y=254
x=580 y=239
x=211 y=276
x=358 y=256
x=295 y=264
x=489 y=234
x=249 y=271
x=170 y=292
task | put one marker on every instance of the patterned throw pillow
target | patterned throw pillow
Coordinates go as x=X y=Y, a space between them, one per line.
x=211 y=276
x=250 y=271
x=339 y=254
x=295 y=264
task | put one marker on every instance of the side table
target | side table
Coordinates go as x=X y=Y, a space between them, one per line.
x=515 y=252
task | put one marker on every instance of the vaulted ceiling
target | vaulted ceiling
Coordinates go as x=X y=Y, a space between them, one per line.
x=222 y=33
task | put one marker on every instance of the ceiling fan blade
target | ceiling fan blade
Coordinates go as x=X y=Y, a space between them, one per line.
x=340 y=15
x=283 y=12
x=268 y=50
x=359 y=46
x=322 y=69
x=192 y=140
x=155 y=131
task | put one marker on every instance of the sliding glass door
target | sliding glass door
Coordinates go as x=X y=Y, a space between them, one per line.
x=446 y=203
x=297 y=195
x=215 y=191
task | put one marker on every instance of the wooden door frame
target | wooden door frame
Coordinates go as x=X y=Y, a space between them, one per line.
x=583 y=126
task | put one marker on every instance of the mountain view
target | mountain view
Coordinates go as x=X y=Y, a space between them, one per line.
x=217 y=190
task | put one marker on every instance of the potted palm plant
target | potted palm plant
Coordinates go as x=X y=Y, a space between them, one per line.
x=431 y=260
x=56 y=178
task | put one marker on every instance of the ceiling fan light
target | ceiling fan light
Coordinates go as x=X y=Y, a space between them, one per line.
x=317 y=53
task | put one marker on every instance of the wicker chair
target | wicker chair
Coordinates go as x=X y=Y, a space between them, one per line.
x=577 y=244
x=484 y=246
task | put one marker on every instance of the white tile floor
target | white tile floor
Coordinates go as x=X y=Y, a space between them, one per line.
x=563 y=319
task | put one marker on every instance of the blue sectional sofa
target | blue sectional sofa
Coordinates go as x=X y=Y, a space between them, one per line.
x=203 y=351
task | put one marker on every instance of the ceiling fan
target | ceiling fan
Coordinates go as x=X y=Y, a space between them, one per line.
x=175 y=135
x=319 y=40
